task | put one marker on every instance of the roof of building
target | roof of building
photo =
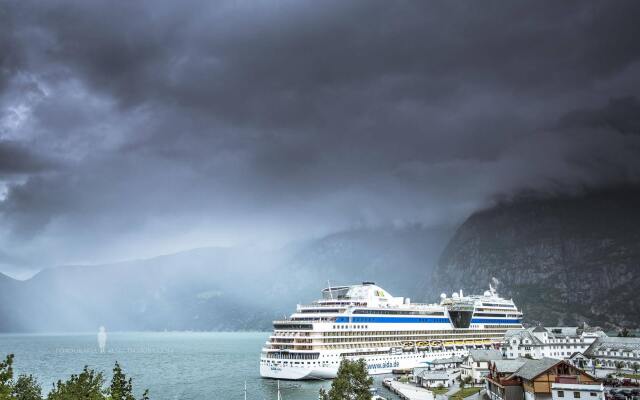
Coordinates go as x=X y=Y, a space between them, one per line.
x=521 y=335
x=607 y=343
x=563 y=331
x=554 y=332
x=450 y=360
x=507 y=366
x=576 y=355
x=586 y=387
x=485 y=355
x=532 y=368
x=434 y=375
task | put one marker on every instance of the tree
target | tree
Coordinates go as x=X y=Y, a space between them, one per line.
x=352 y=382
x=27 y=388
x=582 y=363
x=625 y=333
x=6 y=378
x=86 y=386
x=635 y=367
x=122 y=388
x=619 y=365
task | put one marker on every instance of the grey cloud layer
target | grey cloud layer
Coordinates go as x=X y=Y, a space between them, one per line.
x=137 y=128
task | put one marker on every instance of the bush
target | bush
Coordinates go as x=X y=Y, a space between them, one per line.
x=27 y=388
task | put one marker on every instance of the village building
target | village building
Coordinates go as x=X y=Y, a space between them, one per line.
x=607 y=351
x=571 y=391
x=450 y=363
x=439 y=372
x=535 y=379
x=582 y=361
x=432 y=379
x=555 y=342
x=476 y=364
x=498 y=383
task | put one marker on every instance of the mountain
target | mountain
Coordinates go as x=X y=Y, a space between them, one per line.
x=241 y=288
x=396 y=258
x=188 y=290
x=563 y=259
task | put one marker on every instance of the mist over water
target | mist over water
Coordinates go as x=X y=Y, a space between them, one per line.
x=219 y=289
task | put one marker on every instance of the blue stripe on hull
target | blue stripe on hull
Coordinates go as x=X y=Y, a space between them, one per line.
x=394 y=320
x=494 y=321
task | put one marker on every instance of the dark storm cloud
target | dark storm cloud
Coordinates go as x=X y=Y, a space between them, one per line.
x=182 y=124
x=16 y=159
x=620 y=115
x=10 y=54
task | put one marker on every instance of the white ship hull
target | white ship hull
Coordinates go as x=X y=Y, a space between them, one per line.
x=375 y=365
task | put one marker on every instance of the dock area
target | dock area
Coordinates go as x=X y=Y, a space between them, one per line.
x=408 y=391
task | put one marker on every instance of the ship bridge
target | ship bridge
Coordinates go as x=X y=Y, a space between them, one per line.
x=366 y=293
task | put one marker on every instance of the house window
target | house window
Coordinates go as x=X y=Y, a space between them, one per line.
x=560 y=393
x=576 y=395
x=592 y=394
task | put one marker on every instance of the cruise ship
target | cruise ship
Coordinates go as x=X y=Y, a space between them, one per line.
x=365 y=321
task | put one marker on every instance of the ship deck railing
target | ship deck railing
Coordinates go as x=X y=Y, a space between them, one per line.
x=352 y=304
x=333 y=304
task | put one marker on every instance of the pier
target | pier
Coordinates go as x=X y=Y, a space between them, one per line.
x=407 y=391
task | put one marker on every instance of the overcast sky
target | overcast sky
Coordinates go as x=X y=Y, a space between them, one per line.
x=129 y=129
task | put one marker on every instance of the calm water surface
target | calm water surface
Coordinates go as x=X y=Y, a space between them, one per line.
x=181 y=365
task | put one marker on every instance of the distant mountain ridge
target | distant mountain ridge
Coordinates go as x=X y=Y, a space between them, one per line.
x=564 y=259
x=216 y=288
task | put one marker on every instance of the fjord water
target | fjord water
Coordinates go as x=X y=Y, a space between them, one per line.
x=172 y=365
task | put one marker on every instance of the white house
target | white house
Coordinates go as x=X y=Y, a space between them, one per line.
x=450 y=363
x=571 y=391
x=476 y=364
x=556 y=342
x=432 y=379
